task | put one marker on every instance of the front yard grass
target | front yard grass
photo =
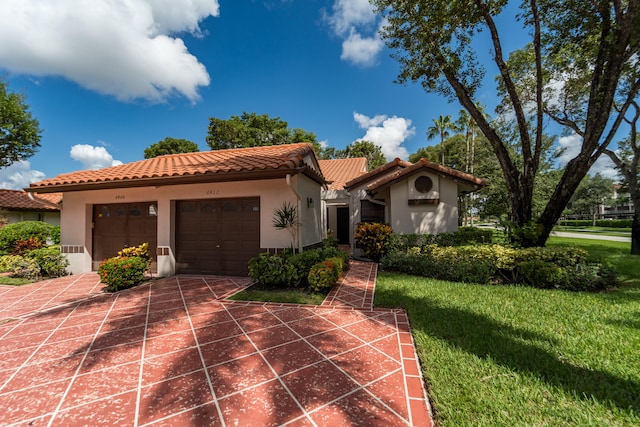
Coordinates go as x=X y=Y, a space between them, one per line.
x=14 y=281
x=519 y=356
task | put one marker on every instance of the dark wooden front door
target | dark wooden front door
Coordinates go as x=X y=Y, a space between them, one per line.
x=120 y=225
x=217 y=236
x=342 y=232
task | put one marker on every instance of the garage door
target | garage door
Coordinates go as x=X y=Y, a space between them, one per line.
x=217 y=236
x=116 y=226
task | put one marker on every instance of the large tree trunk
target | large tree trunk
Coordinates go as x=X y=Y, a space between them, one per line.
x=574 y=172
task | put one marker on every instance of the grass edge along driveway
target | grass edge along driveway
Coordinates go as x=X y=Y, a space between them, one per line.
x=517 y=356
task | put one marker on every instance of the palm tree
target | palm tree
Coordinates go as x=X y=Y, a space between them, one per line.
x=441 y=126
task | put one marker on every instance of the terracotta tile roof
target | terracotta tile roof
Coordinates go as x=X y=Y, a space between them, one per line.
x=474 y=183
x=377 y=172
x=340 y=171
x=218 y=165
x=20 y=201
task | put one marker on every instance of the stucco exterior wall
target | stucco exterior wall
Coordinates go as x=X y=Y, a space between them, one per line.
x=76 y=218
x=424 y=219
x=12 y=217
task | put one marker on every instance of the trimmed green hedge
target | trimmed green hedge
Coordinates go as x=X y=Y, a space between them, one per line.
x=553 y=267
x=464 y=236
x=611 y=223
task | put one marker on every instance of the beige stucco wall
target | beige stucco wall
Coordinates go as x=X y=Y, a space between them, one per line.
x=76 y=217
x=12 y=217
x=424 y=219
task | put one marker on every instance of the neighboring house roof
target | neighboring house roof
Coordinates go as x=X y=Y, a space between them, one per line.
x=18 y=200
x=377 y=172
x=396 y=170
x=340 y=171
x=209 y=166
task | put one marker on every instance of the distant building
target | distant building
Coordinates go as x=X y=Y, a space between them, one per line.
x=18 y=205
x=622 y=207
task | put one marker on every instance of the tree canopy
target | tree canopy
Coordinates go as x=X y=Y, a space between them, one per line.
x=170 y=146
x=368 y=149
x=582 y=59
x=254 y=130
x=20 y=132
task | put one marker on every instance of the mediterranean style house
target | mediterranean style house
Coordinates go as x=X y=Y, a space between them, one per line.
x=210 y=212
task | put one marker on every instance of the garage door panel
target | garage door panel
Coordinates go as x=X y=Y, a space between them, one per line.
x=120 y=225
x=218 y=236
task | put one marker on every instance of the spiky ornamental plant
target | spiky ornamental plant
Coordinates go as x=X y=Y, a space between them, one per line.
x=287 y=217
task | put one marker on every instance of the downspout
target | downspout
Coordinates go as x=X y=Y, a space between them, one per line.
x=299 y=205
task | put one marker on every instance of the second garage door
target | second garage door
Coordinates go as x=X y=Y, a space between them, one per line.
x=217 y=236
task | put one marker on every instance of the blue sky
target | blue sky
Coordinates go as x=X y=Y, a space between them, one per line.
x=109 y=80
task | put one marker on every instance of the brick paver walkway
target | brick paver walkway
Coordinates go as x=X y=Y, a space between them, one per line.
x=174 y=352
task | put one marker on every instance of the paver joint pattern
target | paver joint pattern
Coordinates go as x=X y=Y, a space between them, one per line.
x=175 y=352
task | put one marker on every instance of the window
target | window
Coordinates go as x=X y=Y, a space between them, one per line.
x=371 y=212
x=424 y=184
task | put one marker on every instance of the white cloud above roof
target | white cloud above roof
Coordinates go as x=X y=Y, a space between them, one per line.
x=19 y=175
x=355 y=22
x=387 y=132
x=93 y=157
x=126 y=49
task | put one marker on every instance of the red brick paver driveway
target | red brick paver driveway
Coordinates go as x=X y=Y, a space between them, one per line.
x=174 y=352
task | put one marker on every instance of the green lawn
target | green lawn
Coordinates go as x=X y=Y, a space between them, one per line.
x=506 y=355
x=605 y=231
x=294 y=296
x=14 y=281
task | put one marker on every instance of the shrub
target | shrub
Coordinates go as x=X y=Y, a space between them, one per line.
x=542 y=274
x=8 y=262
x=325 y=275
x=291 y=270
x=554 y=267
x=273 y=271
x=10 y=234
x=21 y=247
x=141 y=251
x=125 y=270
x=20 y=266
x=121 y=273
x=611 y=223
x=55 y=234
x=50 y=261
x=374 y=239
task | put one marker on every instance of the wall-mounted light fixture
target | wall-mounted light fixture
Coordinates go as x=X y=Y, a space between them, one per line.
x=309 y=202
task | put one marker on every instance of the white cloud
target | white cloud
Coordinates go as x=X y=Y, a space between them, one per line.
x=365 y=121
x=361 y=51
x=122 y=48
x=571 y=146
x=356 y=23
x=93 y=157
x=19 y=175
x=387 y=132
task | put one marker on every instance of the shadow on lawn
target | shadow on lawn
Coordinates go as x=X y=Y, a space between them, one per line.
x=516 y=348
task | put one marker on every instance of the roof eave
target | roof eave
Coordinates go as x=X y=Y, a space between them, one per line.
x=179 y=180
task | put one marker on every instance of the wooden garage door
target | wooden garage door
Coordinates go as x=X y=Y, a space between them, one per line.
x=217 y=236
x=116 y=226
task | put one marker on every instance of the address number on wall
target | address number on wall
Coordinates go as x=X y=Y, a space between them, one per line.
x=212 y=192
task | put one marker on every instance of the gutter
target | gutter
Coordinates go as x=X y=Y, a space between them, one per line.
x=299 y=207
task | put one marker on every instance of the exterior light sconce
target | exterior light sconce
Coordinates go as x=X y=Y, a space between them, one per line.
x=309 y=202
